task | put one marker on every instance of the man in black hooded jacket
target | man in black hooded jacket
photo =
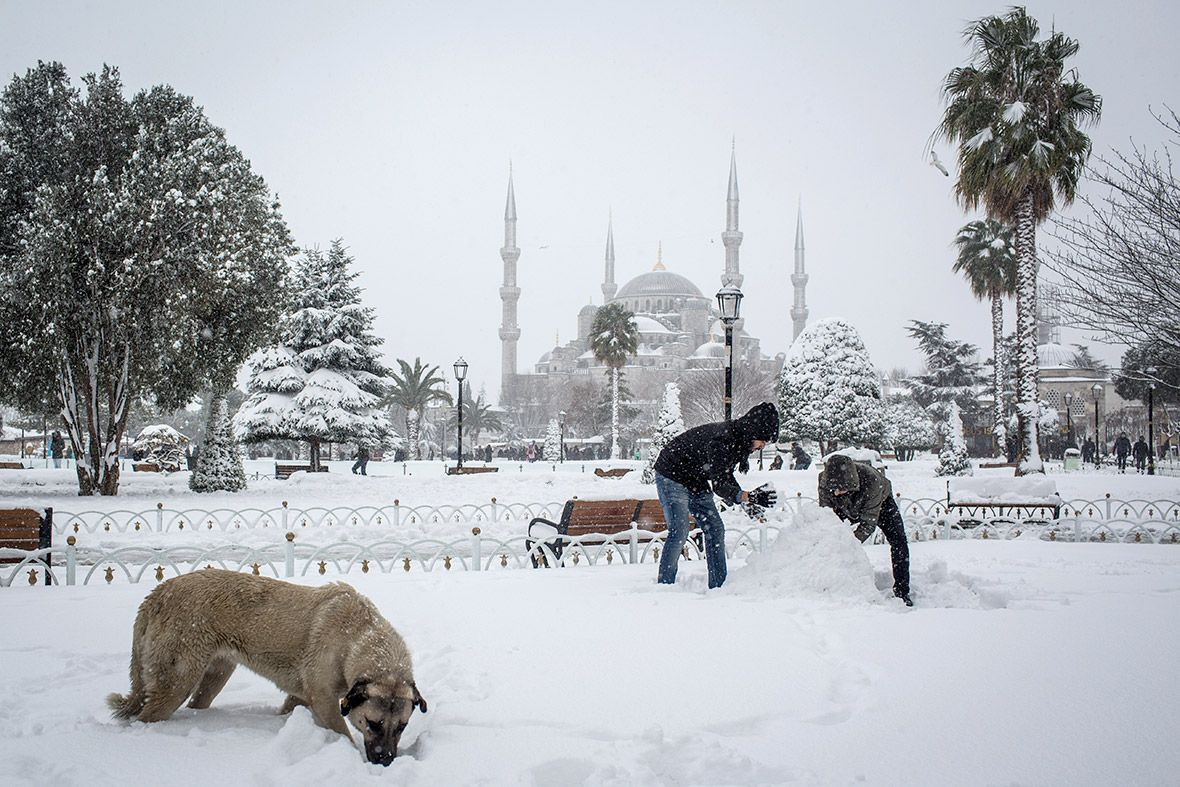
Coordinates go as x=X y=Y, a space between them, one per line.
x=696 y=465
x=862 y=495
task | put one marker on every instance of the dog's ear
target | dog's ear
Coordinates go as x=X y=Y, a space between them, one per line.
x=355 y=698
x=419 y=701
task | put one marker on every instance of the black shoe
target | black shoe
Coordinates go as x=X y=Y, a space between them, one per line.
x=904 y=597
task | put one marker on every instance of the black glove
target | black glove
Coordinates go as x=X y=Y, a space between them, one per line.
x=764 y=496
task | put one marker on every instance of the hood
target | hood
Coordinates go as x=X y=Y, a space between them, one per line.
x=761 y=423
x=840 y=473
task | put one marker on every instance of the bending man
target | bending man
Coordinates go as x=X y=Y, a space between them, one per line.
x=862 y=495
x=696 y=465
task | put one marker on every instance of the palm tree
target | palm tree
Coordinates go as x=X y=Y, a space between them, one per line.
x=1016 y=115
x=415 y=387
x=613 y=337
x=988 y=259
x=478 y=416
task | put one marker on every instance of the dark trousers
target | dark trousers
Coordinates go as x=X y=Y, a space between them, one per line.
x=1122 y=462
x=360 y=464
x=893 y=528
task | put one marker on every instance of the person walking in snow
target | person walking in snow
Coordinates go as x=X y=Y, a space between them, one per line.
x=1140 y=452
x=698 y=464
x=1088 y=451
x=802 y=458
x=57 y=447
x=863 y=496
x=362 y=460
x=1122 y=447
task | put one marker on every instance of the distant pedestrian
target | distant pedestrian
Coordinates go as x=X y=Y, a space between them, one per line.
x=801 y=458
x=57 y=447
x=1122 y=447
x=487 y=452
x=1088 y=451
x=777 y=462
x=362 y=460
x=1140 y=451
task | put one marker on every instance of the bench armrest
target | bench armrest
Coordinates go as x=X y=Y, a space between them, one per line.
x=541 y=529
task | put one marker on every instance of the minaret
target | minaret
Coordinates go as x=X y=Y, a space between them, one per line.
x=509 y=294
x=608 y=281
x=799 y=279
x=732 y=237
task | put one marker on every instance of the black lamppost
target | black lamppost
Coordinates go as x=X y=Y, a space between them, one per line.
x=729 y=301
x=561 y=423
x=1151 y=423
x=1069 y=421
x=1098 y=443
x=460 y=373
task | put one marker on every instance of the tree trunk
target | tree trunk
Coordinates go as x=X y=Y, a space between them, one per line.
x=413 y=427
x=999 y=431
x=96 y=449
x=614 y=412
x=313 y=455
x=1028 y=461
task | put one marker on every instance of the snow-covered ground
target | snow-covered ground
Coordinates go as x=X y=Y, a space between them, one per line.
x=1022 y=661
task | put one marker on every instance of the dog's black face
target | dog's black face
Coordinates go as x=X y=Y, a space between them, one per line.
x=381 y=711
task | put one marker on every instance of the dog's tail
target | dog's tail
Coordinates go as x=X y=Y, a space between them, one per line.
x=129 y=705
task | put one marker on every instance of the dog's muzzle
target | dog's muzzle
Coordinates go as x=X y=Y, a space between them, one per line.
x=379 y=755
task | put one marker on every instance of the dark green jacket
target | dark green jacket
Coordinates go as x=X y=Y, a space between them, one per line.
x=867 y=488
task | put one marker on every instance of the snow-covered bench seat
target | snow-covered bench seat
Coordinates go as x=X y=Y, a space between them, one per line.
x=470 y=469
x=1027 y=498
x=592 y=523
x=614 y=472
x=6 y=465
x=25 y=529
x=283 y=472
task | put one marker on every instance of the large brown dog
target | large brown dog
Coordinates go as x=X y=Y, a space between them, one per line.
x=328 y=647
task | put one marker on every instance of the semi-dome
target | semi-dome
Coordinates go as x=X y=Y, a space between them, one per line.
x=1054 y=356
x=645 y=324
x=659 y=282
x=710 y=350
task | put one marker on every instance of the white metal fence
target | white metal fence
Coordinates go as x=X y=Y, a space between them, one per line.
x=1103 y=520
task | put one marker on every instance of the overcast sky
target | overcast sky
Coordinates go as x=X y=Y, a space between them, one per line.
x=391 y=125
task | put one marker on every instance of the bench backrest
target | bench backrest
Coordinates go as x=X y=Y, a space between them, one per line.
x=611 y=516
x=24 y=528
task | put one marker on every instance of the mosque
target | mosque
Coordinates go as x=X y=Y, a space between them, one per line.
x=679 y=326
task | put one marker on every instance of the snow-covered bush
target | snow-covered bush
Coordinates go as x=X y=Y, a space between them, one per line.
x=829 y=389
x=669 y=423
x=952 y=459
x=219 y=464
x=907 y=426
x=160 y=444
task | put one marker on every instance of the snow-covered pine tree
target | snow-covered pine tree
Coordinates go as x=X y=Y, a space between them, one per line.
x=952 y=375
x=829 y=390
x=669 y=423
x=552 y=448
x=219 y=463
x=952 y=459
x=323 y=382
x=907 y=426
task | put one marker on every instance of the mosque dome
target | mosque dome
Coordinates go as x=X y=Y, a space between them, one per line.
x=659 y=282
x=645 y=324
x=1054 y=356
x=710 y=350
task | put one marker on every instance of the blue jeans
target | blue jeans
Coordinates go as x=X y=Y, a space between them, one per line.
x=678 y=502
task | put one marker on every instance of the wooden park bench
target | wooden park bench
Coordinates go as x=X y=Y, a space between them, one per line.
x=614 y=472
x=592 y=522
x=145 y=467
x=24 y=528
x=469 y=469
x=1026 y=500
x=283 y=472
x=12 y=466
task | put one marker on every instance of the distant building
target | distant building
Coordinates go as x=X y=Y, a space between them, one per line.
x=679 y=326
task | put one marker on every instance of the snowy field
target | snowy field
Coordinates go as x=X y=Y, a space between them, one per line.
x=1022 y=662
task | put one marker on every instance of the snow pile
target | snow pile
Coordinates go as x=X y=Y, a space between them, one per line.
x=865 y=455
x=937 y=586
x=816 y=555
x=1025 y=489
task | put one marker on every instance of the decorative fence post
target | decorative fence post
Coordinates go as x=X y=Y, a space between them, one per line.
x=476 y=550
x=397 y=512
x=159 y=517
x=633 y=539
x=1108 y=516
x=71 y=560
x=761 y=535
x=289 y=561
x=798 y=503
x=495 y=516
x=284 y=515
x=1077 y=529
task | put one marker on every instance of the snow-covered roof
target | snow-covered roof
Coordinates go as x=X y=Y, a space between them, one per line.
x=161 y=432
x=710 y=350
x=646 y=324
x=1054 y=356
x=659 y=282
x=646 y=349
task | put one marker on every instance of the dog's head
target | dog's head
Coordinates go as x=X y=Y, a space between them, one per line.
x=380 y=709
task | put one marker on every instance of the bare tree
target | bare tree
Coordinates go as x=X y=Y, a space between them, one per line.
x=702 y=391
x=1120 y=262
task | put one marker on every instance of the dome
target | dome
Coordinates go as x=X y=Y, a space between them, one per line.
x=659 y=282
x=546 y=357
x=710 y=350
x=1054 y=356
x=648 y=325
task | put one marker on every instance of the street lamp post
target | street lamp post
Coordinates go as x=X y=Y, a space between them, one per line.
x=1069 y=420
x=729 y=301
x=561 y=423
x=1097 y=389
x=460 y=374
x=1151 y=424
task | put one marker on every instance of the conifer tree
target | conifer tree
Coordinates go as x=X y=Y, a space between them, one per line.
x=952 y=459
x=669 y=423
x=907 y=426
x=552 y=449
x=829 y=390
x=323 y=382
x=219 y=462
